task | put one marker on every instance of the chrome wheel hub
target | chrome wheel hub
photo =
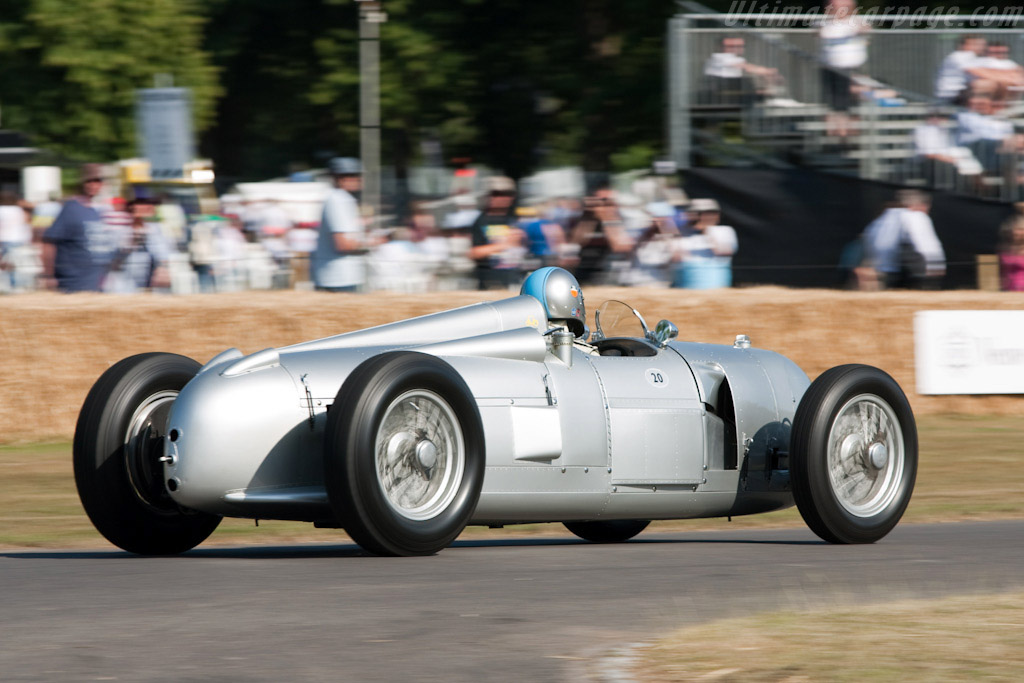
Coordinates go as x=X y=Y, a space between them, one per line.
x=866 y=455
x=879 y=455
x=143 y=448
x=426 y=454
x=420 y=455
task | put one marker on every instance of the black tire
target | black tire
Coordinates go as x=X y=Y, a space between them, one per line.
x=116 y=457
x=615 y=531
x=853 y=485
x=355 y=488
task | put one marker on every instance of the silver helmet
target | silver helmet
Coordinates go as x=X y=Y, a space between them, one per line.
x=560 y=293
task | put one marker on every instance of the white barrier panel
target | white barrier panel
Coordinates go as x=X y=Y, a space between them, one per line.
x=969 y=352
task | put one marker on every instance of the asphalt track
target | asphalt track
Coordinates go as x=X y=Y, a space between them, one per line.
x=503 y=610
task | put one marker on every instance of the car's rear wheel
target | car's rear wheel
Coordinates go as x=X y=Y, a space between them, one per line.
x=853 y=454
x=404 y=454
x=614 y=531
x=117 y=449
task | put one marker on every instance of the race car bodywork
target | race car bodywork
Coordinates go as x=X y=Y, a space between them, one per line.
x=404 y=433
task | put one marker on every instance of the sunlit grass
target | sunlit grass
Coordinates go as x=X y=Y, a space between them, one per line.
x=953 y=639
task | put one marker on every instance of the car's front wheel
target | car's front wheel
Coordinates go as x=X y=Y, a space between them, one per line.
x=117 y=449
x=404 y=454
x=853 y=454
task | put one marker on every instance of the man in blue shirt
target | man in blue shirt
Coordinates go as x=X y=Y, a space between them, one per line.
x=338 y=262
x=78 y=246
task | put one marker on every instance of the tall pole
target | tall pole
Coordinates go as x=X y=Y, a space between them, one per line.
x=370 y=19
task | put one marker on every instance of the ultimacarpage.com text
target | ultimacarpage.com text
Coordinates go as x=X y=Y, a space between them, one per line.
x=780 y=15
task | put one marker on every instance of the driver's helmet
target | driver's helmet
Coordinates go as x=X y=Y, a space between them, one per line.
x=560 y=294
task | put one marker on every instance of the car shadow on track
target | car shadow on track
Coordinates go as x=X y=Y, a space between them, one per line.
x=354 y=551
x=523 y=542
x=254 y=552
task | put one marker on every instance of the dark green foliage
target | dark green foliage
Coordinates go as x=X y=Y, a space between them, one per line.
x=69 y=70
x=514 y=84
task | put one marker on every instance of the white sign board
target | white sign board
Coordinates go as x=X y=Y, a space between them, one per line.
x=969 y=352
x=164 y=124
x=40 y=183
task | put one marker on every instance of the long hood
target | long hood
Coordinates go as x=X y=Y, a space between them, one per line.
x=468 y=321
x=507 y=329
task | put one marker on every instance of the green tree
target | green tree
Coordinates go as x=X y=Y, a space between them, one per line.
x=291 y=74
x=70 y=70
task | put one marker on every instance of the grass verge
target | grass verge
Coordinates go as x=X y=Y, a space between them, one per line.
x=970 y=469
x=952 y=639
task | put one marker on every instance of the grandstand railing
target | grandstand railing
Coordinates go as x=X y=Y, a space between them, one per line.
x=709 y=119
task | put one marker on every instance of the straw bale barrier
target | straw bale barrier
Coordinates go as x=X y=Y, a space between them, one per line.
x=53 y=347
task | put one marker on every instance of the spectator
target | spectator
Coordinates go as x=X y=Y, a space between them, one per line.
x=705 y=256
x=338 y=262
x=934 y=146
x=731 y=75
x=1011 y=252
x=15 y=231
x=117 y=216
x=1005 y=75
x=232 y=250
x=251 y=214
x=604 y=245
x=275 y=220
x=78 y=246
x=141 y=260
x=434 y=246
x=398 y=264
x=465 y=214
x=959 y=68
x=172 y=220
x=636 y=218
x=497 y=242
x=301 y=239
x=652 y=257
x=987 y=136
x=565 y=211
x=844 y=49
x=274 y=232
x=902 y=247
x=44 y=213
x=421 y=221
x=203 y=253
x=544 y=238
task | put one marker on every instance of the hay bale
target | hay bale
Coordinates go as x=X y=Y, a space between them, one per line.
x=55 y=346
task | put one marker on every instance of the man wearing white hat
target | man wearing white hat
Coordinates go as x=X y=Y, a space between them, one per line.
x=705 y=257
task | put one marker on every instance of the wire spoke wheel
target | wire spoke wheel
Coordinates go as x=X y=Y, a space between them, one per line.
x=420 y=454
x=853 y=454
x=404 y=454
x=865 y=455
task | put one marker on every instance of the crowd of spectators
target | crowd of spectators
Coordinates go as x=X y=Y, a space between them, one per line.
x=647 y=234
x=967 y=140
x=985 y=87
x=650 y=234
x=98 y=242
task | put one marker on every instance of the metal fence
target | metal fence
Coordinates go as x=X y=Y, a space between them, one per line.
x=750 y=121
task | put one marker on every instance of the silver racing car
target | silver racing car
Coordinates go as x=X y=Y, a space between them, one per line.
x=497 y=413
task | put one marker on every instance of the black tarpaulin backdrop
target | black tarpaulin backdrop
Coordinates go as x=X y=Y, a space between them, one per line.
x=792 y=225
